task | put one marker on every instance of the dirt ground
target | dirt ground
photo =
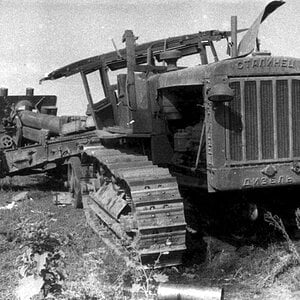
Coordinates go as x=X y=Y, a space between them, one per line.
x=92 y=271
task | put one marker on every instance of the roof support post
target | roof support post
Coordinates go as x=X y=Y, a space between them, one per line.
x=108 y=91
x=89 y=97
x=129 y=40
x=203 y=53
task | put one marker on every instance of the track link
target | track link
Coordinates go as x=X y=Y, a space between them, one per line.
x=138 y=202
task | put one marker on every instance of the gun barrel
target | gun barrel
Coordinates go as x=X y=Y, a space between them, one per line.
x=41 y=121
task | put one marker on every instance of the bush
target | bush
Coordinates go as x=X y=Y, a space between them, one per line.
x=42 y=258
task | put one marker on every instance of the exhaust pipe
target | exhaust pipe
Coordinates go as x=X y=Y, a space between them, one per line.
x=188 y=292
x=234 y=36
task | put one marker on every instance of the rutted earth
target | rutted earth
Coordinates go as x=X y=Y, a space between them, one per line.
x=269 y=270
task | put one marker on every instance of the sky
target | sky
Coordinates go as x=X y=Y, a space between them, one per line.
x=39 y=36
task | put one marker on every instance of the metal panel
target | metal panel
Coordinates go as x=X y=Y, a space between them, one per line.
x=259 y=117
x=234 y=125
x=290 y=120
x=267 y=120
x=243 y=119
x=275 y=119
x=296 y=116
x=251 y=120
x=282 y=118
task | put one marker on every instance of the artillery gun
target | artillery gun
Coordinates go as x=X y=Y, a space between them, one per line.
x=229 y=125
x=33 y=139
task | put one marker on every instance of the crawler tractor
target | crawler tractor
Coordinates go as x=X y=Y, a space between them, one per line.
x=226 y=125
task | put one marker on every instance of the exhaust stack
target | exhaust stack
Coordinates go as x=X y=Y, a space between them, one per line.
x=234 y=36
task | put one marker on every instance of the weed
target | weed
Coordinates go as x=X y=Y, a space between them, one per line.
x=143 y=279
x=42 y=257
x=282 y=260
x=277 y=223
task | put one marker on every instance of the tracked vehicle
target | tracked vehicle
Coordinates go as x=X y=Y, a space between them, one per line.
x=220 y=126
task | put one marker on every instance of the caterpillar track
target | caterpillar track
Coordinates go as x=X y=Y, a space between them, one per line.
x=138 y=202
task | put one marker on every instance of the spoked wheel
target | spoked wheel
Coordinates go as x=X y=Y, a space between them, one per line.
x=6 y=141
x=74 y=176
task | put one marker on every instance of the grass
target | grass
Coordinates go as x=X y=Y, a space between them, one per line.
x=93 y=272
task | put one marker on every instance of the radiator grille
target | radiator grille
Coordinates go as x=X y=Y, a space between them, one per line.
x=267 y=120
x=251 y=120
x=263 y=120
